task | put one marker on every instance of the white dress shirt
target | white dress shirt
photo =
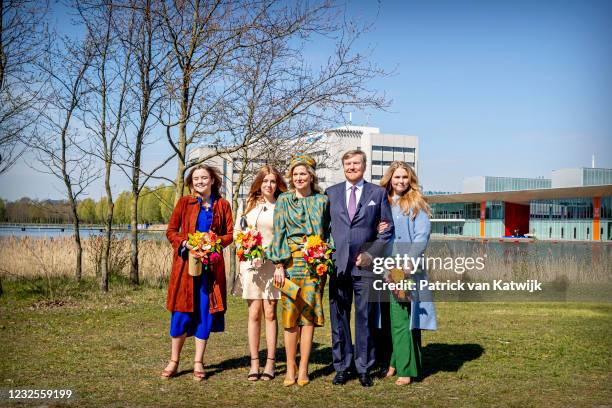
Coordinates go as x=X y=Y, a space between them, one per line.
x=358 y=192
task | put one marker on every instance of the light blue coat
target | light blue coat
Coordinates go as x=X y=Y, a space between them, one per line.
x=411 y=237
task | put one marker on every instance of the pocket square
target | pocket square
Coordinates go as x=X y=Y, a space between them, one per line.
x=371 y=203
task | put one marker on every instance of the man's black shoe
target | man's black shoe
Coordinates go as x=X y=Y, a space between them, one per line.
x=341 y=378
x=366 y=380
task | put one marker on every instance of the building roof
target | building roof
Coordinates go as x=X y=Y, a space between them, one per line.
x=523 y=196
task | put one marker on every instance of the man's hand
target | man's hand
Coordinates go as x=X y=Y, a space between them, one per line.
x=363 y=260
x=383 y=226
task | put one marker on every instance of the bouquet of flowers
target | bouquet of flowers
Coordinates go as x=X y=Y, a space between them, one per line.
x=249 y=246
x=317 y=254
x=206 y=250
x=396 y=276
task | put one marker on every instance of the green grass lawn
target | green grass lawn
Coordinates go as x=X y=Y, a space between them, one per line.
x=111 y=348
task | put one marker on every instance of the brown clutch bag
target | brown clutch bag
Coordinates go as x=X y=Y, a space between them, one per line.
x=289 y=288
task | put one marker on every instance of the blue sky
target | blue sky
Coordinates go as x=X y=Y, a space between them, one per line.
x=490 y=88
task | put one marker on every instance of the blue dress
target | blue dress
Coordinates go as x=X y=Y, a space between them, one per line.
x=199 y=323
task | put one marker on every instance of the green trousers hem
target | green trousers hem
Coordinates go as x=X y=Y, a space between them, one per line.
x=406 y=357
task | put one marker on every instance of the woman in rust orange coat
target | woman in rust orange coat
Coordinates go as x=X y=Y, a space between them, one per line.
x=197 y=303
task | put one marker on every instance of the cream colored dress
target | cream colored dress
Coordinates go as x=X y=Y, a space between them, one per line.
x=257 y=283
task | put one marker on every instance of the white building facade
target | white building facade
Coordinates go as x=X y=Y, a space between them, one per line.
x=381 y=150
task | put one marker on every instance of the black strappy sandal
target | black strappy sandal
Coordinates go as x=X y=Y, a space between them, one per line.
x=268 y=376
x=254 y=376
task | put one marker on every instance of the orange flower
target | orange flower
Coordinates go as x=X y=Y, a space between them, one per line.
x=321 y=269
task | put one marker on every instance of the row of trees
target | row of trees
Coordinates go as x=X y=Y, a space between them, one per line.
x=154 y=206
x=231 y=74
x=27 y=210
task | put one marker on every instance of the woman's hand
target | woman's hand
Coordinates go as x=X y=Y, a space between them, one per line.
x=279 y=275
x=186 y=245
x=383 y=226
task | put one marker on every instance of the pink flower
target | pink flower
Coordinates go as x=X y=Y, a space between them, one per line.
x=257 y=262
x=214 y=257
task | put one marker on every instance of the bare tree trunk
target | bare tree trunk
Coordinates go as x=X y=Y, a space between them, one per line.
x=134 y=274
x=182 y=141
x=77 y=241
x=234 y=265
x=112 y=82
x=108 y=233
x=73 y=203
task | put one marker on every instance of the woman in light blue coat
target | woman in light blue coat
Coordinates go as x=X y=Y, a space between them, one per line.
x=412 y=228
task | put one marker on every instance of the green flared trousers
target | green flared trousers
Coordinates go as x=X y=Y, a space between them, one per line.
x=406 y=357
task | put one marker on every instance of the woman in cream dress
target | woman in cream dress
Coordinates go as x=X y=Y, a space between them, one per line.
x=257 y=283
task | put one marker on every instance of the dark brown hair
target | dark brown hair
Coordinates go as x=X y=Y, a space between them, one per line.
x=215 y=189
x=255 y=192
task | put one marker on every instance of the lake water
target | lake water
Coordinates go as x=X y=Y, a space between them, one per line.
x=68 y=231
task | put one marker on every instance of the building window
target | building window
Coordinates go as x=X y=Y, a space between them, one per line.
x=588 y=232
x=574 y=232
x=550 y=232
x=561 y=232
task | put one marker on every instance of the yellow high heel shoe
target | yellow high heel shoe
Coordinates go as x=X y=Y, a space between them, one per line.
x=302 y=383
x=289 y=383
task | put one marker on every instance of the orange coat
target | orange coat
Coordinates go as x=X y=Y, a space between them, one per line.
x=182 y=222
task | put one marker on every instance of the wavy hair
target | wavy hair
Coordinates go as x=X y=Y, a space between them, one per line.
x=412 y=198
x=255 y=195
x=314 y=185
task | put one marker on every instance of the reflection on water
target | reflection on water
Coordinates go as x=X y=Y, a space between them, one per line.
x=65 y=231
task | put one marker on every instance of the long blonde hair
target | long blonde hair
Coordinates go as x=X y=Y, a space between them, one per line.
x=412 y=198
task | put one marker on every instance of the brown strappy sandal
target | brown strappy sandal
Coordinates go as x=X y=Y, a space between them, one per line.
x=267 y=376
x=254 y=376
x=167 y=374
x=198 y=375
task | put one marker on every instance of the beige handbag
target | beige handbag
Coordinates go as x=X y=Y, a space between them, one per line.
x=195 y=265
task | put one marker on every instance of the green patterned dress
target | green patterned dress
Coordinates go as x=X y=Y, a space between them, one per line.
x=295 y=218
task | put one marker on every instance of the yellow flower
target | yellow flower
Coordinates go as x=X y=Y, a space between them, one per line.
x=313 y=241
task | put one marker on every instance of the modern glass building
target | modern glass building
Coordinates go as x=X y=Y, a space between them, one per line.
x=581 y=212
x=481 y=184
x=584 y=176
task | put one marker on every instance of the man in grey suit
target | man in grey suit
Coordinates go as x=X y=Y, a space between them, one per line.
x=356 y=209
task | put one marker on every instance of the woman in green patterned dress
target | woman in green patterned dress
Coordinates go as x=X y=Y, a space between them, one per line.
x=301 y=211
